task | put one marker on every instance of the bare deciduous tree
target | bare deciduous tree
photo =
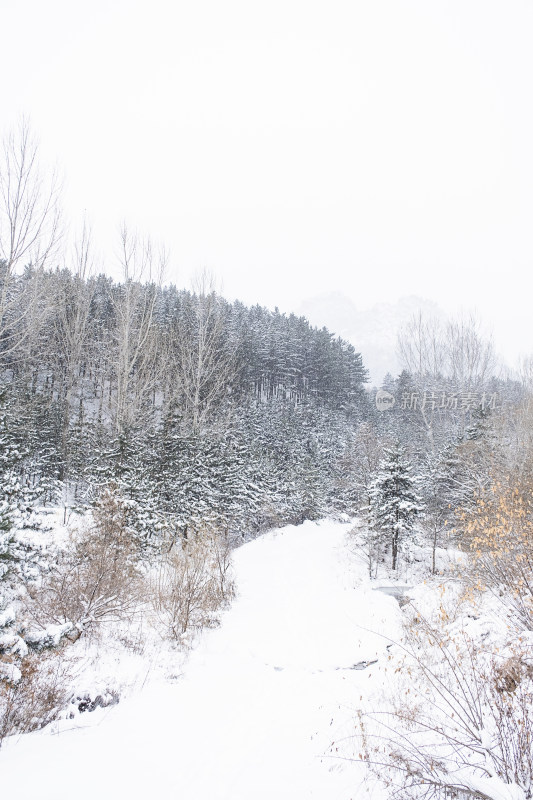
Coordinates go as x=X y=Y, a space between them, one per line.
x=30 y=230
x=206 y=364
x=134 y=307
x=457 y=350
x=421 y=346
x=470 y=357
x=72 y=329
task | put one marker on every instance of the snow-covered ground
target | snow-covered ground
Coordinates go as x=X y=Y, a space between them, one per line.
x=254 y=710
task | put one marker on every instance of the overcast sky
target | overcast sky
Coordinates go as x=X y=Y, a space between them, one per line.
x=379 y=148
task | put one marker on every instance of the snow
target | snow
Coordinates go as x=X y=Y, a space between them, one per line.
x=254 y=710
x=49 y=637
x=7 y=617
x=10 y=672
x=491 y=787
x=11 y=643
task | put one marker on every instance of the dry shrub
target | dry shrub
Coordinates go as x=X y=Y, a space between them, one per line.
x=460 y=722
x=98 y=578
x=192 y=583
x=38 y=697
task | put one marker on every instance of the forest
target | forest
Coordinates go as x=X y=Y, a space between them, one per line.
x=200 y=410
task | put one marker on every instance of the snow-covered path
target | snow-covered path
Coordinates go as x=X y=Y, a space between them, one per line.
x=260 y=701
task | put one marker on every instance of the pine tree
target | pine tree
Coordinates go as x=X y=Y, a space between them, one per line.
x=394 y=501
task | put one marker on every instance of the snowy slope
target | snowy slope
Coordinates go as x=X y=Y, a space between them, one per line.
x=260 y=700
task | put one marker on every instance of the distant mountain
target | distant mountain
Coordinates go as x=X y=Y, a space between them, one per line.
x=372 y=331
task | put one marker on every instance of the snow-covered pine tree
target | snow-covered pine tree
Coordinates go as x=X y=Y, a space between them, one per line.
x=394 y=500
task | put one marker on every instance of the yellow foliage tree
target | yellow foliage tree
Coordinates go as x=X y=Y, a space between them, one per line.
x=499 y=533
